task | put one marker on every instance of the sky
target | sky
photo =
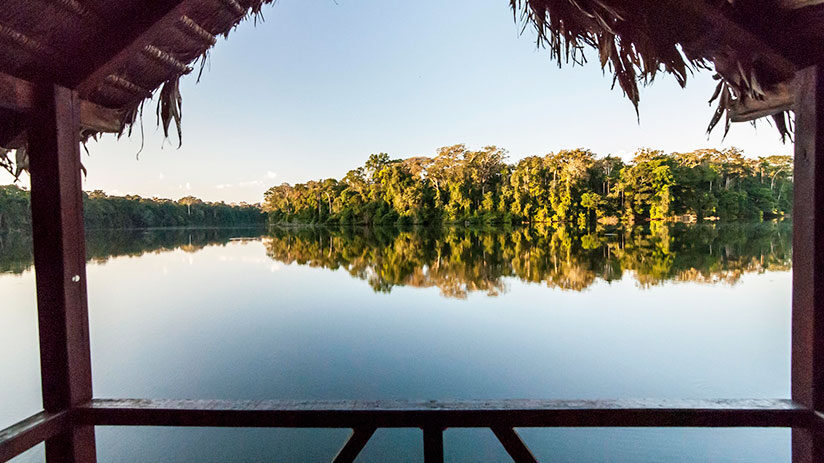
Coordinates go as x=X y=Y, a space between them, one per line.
x=320 y=84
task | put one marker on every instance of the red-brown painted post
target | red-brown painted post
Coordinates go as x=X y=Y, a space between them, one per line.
x=808 y=258
x=60 y=265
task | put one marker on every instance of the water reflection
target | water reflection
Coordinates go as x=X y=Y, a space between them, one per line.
x=102 y=245
x=460 y=261
x=219 y=324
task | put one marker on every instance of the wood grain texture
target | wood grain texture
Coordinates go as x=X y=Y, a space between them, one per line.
x=445 y=414
x=60 y=266
x=808 y=257
x=24 y=435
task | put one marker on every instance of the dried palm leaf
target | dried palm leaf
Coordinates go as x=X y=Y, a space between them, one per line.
x=637 y=39
x=170 y=108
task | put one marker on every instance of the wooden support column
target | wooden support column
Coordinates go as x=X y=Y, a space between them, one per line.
x=60 y=266
x=808 y=258
x=433 y=445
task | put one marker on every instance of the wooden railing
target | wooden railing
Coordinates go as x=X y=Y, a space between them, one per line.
x=433 y=417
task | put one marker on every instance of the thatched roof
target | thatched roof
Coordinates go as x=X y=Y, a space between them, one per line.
x=118 y=53
x=753 y=46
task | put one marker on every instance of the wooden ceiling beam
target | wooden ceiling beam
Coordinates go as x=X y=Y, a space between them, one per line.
x=123 y=41
x=781 y=98
x=17 y=96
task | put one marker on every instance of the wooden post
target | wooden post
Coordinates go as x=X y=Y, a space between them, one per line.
x=60 y=266
x=433 y=445
x=808 y=258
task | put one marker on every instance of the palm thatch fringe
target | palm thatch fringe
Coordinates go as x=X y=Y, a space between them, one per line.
x=634 y=40
x=166 y=59
x=170 y=108
x=169 y=104
x=637 y=39
x=5 y=160
x=235 y=7
x=15 y=166
x=128 y=86
x=189 y=26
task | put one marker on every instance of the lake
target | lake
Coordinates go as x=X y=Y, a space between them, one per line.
x=662 y=311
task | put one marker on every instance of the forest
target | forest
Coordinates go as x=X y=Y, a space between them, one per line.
x=104 y=211
x=574 y=187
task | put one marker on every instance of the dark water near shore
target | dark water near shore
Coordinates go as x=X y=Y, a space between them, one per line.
x=679 y=311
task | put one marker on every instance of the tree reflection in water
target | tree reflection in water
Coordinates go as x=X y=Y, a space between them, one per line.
x=101 y=245
x=460 y=261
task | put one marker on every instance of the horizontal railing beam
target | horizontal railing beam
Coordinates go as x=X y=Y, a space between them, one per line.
x=24 y=435
x=459 y=414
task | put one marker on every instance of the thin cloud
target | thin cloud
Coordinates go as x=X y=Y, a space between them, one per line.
x=248 y=184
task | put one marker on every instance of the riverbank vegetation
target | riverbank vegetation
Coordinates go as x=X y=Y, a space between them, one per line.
x=574 y=187
x=104 y=211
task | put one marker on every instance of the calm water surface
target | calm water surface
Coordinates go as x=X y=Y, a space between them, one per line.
x=313 y=313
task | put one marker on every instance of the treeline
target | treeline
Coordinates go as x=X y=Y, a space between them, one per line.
x=464 y=260
x=104 y=211
x=572 y=186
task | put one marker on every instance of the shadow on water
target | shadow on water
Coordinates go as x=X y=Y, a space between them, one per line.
x=460 y=260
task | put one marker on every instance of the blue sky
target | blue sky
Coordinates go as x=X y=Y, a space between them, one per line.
x=321 y=84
